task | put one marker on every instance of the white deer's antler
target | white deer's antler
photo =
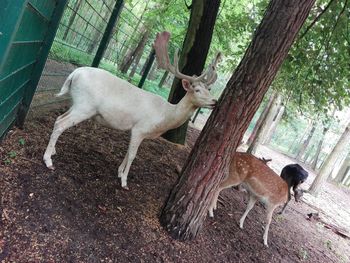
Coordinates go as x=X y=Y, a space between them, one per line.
x=161 y=47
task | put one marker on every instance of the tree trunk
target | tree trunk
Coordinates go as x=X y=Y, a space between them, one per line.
x=152 y=73
x=261 y=118
x=306 y=142
x=271 y=117
x=164 y=77
x=133 y=54
x=274 y=124
x=347 y=181
x=72 y=18
x=343 y=171
x=265 y=124
x=308 y=154
x=319 y=148
x=317 y=184
x=187 y=205
x=97 y=36
x=194 y=53
x=125 y=47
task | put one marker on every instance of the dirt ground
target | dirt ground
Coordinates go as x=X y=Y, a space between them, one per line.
x=78 y=213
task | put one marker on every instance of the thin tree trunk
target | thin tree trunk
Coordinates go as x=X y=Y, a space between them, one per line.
x=344 y=169
x=347 y=181
x=306 y=142
x=164 y=77
x=152 y=73
x=340 y=177
x=270 y=119
x=261 y=118
x=71 y=19
x=187 y=205
x=124 y=50
x=97 y=35
x=324 y=173
x=266 y=122
x=308 y=154
x=274 y=124
x=193 y=56
x=135 y=53
x=319 y=148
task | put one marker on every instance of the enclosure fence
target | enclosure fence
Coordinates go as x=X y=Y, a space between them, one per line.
x=79 y=33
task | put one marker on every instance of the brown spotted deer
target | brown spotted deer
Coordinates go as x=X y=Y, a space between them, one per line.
x=116 y=103
x=261 y=183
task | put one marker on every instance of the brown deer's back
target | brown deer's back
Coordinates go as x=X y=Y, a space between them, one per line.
x=260 y=179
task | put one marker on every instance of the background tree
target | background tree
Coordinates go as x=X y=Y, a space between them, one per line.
x=188 y=202
x=194 y=53
x=326 y=169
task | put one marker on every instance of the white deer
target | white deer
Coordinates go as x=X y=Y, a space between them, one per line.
x=115 y=103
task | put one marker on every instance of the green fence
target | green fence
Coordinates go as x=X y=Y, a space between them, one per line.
x=31 y=26
x=27 y=31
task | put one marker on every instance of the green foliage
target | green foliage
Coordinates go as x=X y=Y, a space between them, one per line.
x=314 y=79
x=316 y=73
x=21 y=142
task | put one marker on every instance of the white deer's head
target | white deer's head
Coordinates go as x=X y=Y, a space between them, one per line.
x=197 y=87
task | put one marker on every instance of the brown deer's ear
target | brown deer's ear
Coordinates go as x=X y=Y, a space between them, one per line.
x=186 y=85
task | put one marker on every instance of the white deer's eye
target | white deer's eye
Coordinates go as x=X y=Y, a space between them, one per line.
x=197 y=90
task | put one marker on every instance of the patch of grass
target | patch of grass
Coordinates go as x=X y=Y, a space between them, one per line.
x=303 y=254
x=61 y=52
x=8 y=159
x=21 y=141
x=328 y=244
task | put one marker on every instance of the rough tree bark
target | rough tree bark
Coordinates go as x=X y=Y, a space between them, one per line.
x=326 y=169
x=194 y=53
x=261 y=119
x=187 y=205
x=265 y=124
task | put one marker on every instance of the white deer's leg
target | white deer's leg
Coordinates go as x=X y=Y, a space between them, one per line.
x=135 y=142
x=251 y=203
x=121 y=167
x=62 y=123
x=270 y=210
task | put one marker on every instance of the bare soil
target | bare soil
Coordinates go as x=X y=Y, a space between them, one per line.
x=79 y=213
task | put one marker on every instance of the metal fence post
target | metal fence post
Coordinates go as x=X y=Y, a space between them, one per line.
x=149 y=64
x=196 y=115
x=39 y=66
x=108 y=32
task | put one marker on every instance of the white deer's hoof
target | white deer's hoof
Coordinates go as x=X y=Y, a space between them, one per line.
x=126 y=188
x=51 y=167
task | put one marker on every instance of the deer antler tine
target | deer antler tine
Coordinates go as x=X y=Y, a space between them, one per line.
x=161 y=47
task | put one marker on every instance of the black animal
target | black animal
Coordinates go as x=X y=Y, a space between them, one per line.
x=294 y=175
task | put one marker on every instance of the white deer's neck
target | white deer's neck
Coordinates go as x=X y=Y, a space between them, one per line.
x=179 y=113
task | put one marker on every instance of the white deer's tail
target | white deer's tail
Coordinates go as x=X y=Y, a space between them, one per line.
x=66 y=85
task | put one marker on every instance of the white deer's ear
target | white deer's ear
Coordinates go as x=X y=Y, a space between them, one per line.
x=186 y=85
